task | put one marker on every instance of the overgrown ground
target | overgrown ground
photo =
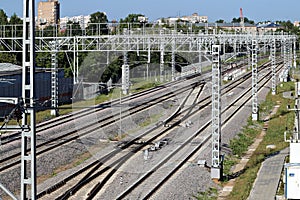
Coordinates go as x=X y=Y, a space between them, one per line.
x=274 y=135
x=278 y=124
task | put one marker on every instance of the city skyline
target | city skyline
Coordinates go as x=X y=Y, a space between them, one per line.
x=215 y=9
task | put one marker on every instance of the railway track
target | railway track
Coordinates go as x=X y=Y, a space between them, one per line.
x=11 y=137
x=196 y=138
x=89 y=177
x=71 y=135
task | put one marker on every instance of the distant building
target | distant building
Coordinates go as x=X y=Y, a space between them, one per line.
x=297 y=23
x=194 y=18
x=237 y=27
x=48 y=13
x=143 y=19
x=82 y=20
x=268 y=27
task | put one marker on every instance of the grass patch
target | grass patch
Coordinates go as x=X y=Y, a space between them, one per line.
x=143 y=86
x=228 y=163
x=245 y=138
x=210 y=194
x=274 y=135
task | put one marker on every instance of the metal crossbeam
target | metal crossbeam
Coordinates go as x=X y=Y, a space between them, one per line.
x=185 y=43
x=216 y=112
x=9 y=100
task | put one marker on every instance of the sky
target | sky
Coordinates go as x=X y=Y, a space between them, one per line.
x=257 y=10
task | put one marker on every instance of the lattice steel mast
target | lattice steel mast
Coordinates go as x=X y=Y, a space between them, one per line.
x=254 y=81
x=216 y=169
x=273 y=63
x=28 y=157
x=125 y=66
x=295 y=53
x=54 y=80
x=173 y=61
x=162 y=54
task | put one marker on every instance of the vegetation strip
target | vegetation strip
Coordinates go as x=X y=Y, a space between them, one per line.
x=277 y=124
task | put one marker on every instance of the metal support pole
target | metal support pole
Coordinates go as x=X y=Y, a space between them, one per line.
x=74 y=63
x=235 y=48
x=173 y=59
x=125 y=74
x=290 y=51
x=216 y=170
x=8 y=192
x=200 y=58
x=28 y=138
x=285 y=60
x=77 y=61
x=54 y=80
x=161 y=66
x=297 y=120
x=249 y=55
x=254 y=81
x=107 y=58
x=273 y=62
x=125 y=66
x=149 y=58
x=295 y=54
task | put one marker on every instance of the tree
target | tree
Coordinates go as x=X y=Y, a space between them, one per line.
x=288 y=26
x=8 y=58
x=98 y=24
x=133 y=19
x=246 y=20
x=3 y=18
x=17 y=29
x=236 y=20
x=15 y=20
x=73 y=28
x=221 y=21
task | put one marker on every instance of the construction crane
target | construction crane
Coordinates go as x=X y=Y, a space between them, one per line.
x=242 y=19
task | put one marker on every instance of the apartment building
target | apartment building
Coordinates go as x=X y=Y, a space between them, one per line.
x=48 y=13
